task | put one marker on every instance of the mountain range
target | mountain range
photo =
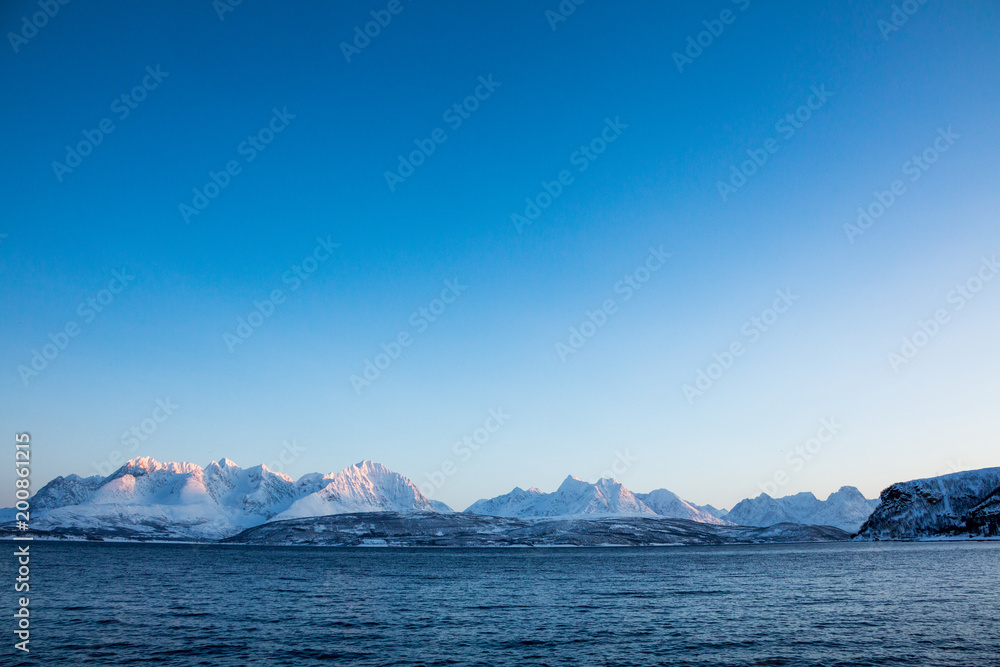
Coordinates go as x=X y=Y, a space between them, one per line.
x=576 y=497
x=846 y=509
x=149 y=499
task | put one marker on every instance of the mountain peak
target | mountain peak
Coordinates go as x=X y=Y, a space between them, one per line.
x=367 y=465
x=846 y=493
x=145 y=462
x=223 y=464
x=73 y=477
x=263 y=471
x=572 y=482
x=144 y=465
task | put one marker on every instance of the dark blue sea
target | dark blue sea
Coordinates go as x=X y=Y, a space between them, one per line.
x=824 y=604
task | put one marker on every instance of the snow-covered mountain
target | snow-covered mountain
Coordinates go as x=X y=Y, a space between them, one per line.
x=364 y=487
x=573 y=497
x=576 y=497
x=846 y=509
x=962 y=503
x=516 y=503
x=69 y=490
x=147 y=497
x=717 y=513
x=669 y=504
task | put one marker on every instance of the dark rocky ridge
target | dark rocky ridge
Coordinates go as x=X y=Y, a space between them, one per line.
x=956 y=505
x=472 y=530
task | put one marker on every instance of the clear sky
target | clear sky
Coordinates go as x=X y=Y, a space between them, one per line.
x=243 y=149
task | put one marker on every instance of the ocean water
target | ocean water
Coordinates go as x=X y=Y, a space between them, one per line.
x=819 y=604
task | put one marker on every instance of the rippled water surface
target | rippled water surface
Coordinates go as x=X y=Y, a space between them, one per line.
x=830 y=604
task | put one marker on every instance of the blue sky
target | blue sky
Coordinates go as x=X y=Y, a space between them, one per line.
x=327 y=131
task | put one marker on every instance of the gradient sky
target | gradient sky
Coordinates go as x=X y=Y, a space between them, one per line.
x=494 y=347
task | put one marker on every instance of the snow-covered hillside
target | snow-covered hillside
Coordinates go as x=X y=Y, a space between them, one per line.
x=962 y=503
x=984 y=518
x=147 y=497
x=576 y=497
x=68 y=490
x=846 y=509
